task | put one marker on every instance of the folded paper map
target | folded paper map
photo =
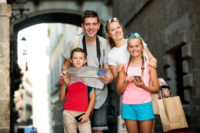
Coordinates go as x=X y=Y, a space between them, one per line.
x=88 y=75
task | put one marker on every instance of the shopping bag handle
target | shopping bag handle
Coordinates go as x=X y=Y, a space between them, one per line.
x=164 y=92
x=164 y=86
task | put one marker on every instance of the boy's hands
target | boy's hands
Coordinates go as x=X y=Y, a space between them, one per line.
x=66 y=79
x=62 y=75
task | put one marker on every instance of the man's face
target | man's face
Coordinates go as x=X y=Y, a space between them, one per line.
x=91 y=27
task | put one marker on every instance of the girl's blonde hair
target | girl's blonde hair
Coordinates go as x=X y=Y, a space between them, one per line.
x=143 y=60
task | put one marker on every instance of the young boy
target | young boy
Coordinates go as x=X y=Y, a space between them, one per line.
x=79 y=98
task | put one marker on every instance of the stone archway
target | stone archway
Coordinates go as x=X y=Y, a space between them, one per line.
x=45 y=11
x=49 y=16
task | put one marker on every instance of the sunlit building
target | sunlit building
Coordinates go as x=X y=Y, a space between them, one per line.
x=23 y=101
x=58 y=35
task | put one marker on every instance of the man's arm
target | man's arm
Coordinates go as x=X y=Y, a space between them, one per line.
x=114 y=72
x=66 y=54
x=106 y=79
x=109 y=74
x=65 y=65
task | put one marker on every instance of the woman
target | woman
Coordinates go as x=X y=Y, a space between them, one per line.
x=133 y=83
x=119 y=54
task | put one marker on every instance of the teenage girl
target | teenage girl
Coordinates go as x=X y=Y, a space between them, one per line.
x=133 y=83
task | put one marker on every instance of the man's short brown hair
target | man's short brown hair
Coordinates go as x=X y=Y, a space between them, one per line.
x=89 y=14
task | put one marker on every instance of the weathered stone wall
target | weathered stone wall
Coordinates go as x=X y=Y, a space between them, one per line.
x=5 y=12
x=166 y=25
x=57 y=120
x=146 y=21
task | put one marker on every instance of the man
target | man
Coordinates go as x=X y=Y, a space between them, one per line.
x=96 y=51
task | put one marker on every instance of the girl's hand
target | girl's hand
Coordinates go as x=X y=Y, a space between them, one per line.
x=84 y=118
x=138 y=82
x=130 y=79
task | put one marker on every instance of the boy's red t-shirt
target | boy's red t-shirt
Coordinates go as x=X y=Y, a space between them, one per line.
x=77 y=97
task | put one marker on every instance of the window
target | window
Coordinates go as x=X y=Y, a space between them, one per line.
x=176 y=72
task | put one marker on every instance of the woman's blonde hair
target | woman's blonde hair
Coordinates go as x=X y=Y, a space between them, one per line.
x=110 y=40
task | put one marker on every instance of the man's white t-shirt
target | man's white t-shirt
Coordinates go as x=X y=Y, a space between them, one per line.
x=92 y=60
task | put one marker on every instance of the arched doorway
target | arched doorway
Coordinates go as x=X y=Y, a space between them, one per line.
x=55 y=16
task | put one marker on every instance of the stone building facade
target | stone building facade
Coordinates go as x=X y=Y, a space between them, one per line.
x=58 y=34
x=5 y=13
x=171 y=30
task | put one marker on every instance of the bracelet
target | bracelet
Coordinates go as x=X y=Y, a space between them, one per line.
x=122 y=68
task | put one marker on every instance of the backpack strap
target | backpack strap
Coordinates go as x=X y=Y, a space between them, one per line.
x=84 y=46
x=75 y=43
x=103 y=45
